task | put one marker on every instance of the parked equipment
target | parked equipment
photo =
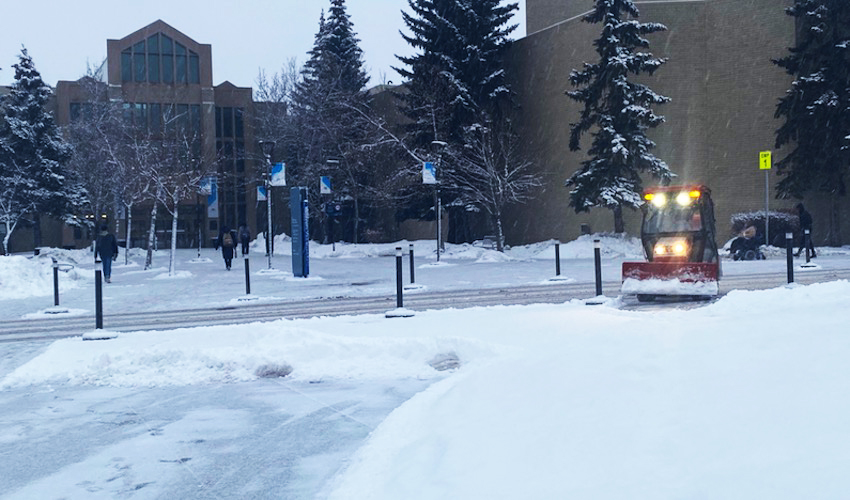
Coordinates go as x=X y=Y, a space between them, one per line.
x=678 y=237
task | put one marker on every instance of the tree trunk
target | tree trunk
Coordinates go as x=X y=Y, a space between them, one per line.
x=499 y=233
x=173 y=259
x=151 y=238
x=834 y=239
x=619 y=226
x=129 y=229
x=356 y=235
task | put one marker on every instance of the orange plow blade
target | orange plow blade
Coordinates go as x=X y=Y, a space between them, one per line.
x=671 y=278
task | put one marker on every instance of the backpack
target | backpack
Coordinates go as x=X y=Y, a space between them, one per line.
x=227 y=240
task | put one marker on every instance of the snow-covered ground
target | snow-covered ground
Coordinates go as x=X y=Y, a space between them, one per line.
x=743 y=398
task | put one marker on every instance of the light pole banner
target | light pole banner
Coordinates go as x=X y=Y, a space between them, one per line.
x=212 y=198
x=279 y=174
x=261 y=193
x=325 y=185
x=429 y=173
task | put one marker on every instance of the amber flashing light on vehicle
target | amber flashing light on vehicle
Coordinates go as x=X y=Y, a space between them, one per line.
x=695 y=194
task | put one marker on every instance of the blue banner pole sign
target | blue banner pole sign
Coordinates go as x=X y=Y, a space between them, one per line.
x=299 y=216
x=279 y=174
x=210 y=187
x=261 y=193
x=325 y=185
x=429 y=173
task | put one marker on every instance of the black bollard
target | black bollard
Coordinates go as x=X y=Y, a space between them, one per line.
x=789 y=252
x=247 y=277
x=55 y=282
x=597 y=258
x=398 y=278
x=98 y=296
x=412 y=276
x=557 y=259
x=808 y=243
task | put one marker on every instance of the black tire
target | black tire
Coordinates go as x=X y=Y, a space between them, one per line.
x=642 y=297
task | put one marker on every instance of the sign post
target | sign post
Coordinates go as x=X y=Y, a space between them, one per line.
x=765 y=164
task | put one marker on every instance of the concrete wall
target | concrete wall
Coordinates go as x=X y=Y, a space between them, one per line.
x=723 y=87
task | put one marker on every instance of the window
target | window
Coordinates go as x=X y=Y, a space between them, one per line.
x=156 y=118
x=166 y=46
x=126 y=66
x=227 y=122
x=139 y=61
x=240 y=132
x=180 y=63
x=194 y=68
x=218 y=122
x=75 y=111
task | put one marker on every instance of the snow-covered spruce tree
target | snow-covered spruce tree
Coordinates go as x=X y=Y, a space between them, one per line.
x=816 y=108
x=458 y=69
x=618 y=112
x=328 y=107
x=33 y=144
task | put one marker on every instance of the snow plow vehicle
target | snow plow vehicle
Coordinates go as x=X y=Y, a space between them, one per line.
x=678 y=239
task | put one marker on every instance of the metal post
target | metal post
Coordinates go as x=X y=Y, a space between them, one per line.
x=597 y=259
x=398 y=288
x=247 y=276
x=808 y=243
x=412 y=276
x=557 y=259
x=789 y=251
x=55 y=282
x=98 y=296
x=766 y=211
x=269 y=205
x=437 y=215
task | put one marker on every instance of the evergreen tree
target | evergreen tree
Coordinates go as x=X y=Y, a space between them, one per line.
x=816 y=108
x=619 y=112
x=32 y=143
x=458 y=71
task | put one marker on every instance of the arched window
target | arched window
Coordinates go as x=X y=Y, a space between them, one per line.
x=160 y=59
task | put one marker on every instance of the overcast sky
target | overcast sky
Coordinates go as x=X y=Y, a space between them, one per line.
x=63 y=36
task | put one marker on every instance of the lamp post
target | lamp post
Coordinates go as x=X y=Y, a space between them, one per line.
x=439 y=146
x=333 y=164
x=268 y=147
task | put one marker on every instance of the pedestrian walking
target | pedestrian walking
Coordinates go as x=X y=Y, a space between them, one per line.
x=227 y=241
x=244 y=238
x=106 y=248
x=805 y=223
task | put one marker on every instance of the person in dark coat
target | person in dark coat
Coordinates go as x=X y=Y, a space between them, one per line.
x=244 y=238
x=805 y=223
x=227 y=241
x=106 y=248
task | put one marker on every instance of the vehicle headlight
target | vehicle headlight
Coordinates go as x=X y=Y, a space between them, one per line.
x=671 y=247
x=659 y=199
x=683 y=199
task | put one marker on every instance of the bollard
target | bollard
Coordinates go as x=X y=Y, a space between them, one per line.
x=557 y=259
x=412 y=278
x=398 y=290
x=55 y=282
x=597 y=259
x=98 y=296
x=789 y=252
x=247 y=276
x=808 y=244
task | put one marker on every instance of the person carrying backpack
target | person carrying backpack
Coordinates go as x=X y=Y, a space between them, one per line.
x=244 y=238
x=227 y=241
x=107 y=249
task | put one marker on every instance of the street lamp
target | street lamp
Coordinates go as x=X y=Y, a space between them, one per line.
x=268 y=147
x=438 y=146
x=333 y=163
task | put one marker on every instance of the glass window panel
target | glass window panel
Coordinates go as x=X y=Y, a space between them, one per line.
x=75 y=111
x=218 y=122
x=127 y=112
x=153 y=44
x=240 y=132
x=195 y=114
x=181 y=68
x=142 y=115
x=167 y=69
x=194 y=68
x=139 y=63
x=153 y=68
x=166 y=45
x=156 y=117
x=183 y=118
x=126 y=66
x=228 y=153
x=139 y=48
x=227 y=122
x=181 y=50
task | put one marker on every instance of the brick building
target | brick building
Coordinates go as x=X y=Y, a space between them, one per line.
x=724 y=91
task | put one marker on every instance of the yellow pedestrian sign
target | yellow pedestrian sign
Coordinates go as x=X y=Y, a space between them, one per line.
x=764 y=160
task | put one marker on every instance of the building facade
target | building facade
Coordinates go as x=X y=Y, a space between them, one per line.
x=723 y=89
x=163 y=78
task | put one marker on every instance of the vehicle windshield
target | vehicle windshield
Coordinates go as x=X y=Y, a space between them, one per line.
x=672 y=218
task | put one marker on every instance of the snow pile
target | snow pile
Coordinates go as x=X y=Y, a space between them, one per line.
x=657 y=286
x=22 y=277
x=236 y=353
x=611 y=245
x=741 y=399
